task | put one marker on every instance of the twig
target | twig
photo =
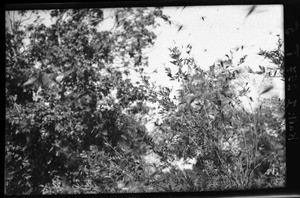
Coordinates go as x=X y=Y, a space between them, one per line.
x=26 y=19
x=78 y=97
x=116 y=151
x=224 y=167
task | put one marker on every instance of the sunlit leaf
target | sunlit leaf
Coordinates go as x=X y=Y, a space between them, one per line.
x=30 y=81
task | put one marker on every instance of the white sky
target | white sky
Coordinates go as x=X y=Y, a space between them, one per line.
x=223 y=29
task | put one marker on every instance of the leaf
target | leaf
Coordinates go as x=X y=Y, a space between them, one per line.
x=46 y=79
x=30 y=81
x=164 y=17
x=168 y=89
x=168 y=71
x=211 y=117
x=267 y=89
x=124 y=137
x=51 y=148
x=263 y=69
x=67 y=73
x=179 y=28
x=251 y=10
x=173 y=62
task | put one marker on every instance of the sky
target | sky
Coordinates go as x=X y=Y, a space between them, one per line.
x=223 y=29
x=213 y=32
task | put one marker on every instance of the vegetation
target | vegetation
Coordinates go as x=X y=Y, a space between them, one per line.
x=234 y=148
x=74 y=116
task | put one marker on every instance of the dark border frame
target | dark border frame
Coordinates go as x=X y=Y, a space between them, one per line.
x=135 y=3
x=292 y=60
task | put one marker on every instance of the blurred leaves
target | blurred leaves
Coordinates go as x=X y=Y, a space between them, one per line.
x=251 y=10
x=60 y=103
x=219 y=133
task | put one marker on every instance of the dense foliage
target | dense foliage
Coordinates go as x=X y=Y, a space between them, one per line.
x=73 y=114
x=234 y=148
x=61 y=116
